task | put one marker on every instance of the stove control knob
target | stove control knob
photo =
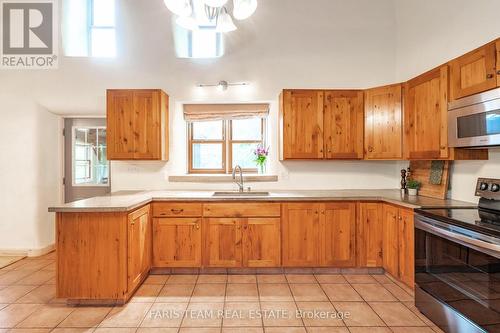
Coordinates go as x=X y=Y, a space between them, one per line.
x=495 y=188
x=483 y=186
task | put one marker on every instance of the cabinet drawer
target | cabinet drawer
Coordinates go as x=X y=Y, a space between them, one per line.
x=162 y=209
x=254 y=209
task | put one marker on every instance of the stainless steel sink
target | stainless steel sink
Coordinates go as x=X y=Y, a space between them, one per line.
x=242 y=194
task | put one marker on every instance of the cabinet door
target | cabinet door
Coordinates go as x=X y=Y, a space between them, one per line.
x=426 y=116
x=222 y=242
x=383 y=123
x=370 y=235
x=300 y=223
x=147 y=125
x=119 y=122
x=391 y=240
x=177 y=242
x=498 y=62
x=261 y=242
x=302 y=124
x=474 y=72
x=338 y=234
x=406 y=248
x=343 y=124
x=139 y=246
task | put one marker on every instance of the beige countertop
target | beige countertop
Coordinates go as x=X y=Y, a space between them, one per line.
x=128 y=200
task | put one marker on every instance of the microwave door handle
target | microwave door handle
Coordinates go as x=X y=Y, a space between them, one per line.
x=477 y=244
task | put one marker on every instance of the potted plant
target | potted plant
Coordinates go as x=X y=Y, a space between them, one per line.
x=261 y=158
x=412 y=186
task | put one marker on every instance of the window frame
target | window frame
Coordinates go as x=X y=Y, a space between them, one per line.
x=91 y=26
x=227 y=147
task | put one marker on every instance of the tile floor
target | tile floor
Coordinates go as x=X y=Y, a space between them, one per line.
x=7 y=260
x=213 y=303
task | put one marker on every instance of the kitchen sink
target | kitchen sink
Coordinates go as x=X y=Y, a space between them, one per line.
x=243 y=194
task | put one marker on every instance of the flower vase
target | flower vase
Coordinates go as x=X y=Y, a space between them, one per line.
x=262 y=169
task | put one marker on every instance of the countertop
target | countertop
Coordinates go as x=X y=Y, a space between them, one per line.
x=124 y=201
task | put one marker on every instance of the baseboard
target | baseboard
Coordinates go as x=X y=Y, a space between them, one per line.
x=28 y=252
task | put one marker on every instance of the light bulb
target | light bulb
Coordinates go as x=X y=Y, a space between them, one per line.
x=243 y=9
x=225 y=22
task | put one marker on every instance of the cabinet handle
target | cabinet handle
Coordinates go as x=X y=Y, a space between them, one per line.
x=176 y=211
x=238 y=227
x=132 y=223
x=400 y=218
x=442 y=147
x=197 y=226
x=498 y=72
x=370 y=149
x=489 y=76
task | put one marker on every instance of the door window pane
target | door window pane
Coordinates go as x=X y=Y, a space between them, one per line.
x=247 y=129
x=90 y=166
x=207 y=156
x=207 y=130
x=243 y=155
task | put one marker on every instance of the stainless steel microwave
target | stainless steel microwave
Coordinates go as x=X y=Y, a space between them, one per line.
x=474 y=121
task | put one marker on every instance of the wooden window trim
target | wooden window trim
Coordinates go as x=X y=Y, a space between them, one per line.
x=231 y=141
x=192 y=141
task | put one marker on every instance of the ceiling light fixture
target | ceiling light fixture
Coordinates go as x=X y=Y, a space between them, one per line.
x=215 y=3
x=224 y=22
x=188 y=22
x=223 y=85
x=243 y=9
x=181 y=8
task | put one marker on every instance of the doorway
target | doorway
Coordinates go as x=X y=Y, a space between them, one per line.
x=86 y=168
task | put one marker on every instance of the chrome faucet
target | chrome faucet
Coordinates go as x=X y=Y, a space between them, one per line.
x=240 y=183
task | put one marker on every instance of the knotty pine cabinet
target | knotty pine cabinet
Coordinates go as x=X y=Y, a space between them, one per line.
x=137 y=124
x=139 y=246
x=319 y=124
x=383 y=123
x=370 y=235
x=319 y=234
x=391 y=239
x=475 y=72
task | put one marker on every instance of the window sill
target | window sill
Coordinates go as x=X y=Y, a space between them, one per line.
x=203 y=178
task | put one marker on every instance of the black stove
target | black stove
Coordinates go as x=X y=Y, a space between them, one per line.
x=457 y=263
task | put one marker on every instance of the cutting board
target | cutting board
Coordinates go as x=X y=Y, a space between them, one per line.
x=421 y=170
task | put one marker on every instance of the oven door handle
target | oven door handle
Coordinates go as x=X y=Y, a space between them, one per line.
x=477 y=244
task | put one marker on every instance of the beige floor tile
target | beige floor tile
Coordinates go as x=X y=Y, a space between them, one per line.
x=308 y=293
x=14 y=265
x=320 y=314
x=51 y=281
x=12 y=293
x=175 y=293
x=50 y=267
x=73 y=330
x=8 y=260
x=358 y=314
x=156 y=279
x=13 y=276
x=41 y=294
x=37 y=278
x=86 y=317
x=182 y=279
x=280 y=314
x=199 y=330
x=369 y=330
x=242 y=279
x=301 y=278
x=242 y=330
x=47 y=316
x=115 y=330
x=209 y=292
x=13 y=314
x=359 y=278
x=275 y=292
x=165 y=315
x=30 y=330
x=382 y=279
x=341 y=293
x=327 y=330
x=212 y=278
x=412 y=330
x=330 y=278
x=242 y=292
x=373 y=292
x=3 y=305
x=396 y=314
x=146 y=293
x=157 y=330
x=285 y=330
x=242 y=314
x=129 y=315
x=203 y=315
x=35 y=265
x=398 y=292
x=271 y=278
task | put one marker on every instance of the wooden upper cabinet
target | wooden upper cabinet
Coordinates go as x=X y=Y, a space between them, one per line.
x=223 y=239
x=337 y=232
x=343 y=124
x=370 y=235
x=300 y=227
x=262 y=242
x=406 y=247
x=383 y=123
x=139 y=246
x=426 y=116
x=391 y=239
x=474 y=72
x=498 y=61
x=301 y=124
x=137 y=124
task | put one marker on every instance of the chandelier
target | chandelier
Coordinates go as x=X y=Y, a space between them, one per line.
x=215 y=11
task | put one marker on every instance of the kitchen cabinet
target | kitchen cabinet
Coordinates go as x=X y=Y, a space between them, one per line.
x=301 y=124
x=177 y=242
x=337 y=234
x=223 y=242
x=137 y=124
x=406 y=247
x=139 y=246
x=343 y=124
x=370 y=235
x=262 y=242
x=474 y=72
x=383 y=123
x=391 y=239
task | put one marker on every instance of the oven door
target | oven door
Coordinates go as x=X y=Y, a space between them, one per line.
x=457 y=277
x=476 y=125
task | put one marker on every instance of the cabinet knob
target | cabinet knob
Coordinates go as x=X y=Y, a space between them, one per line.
x=370 y=149
x=489 y=76
x=197 y=226
x=316 y=212
x=442 y=147
x=400 y=218
x=498 y=72
x=321 y=150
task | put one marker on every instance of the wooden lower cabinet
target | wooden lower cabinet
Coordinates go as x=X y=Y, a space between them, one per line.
x=407 y=247
x=261 y=242
x=390 y=240
x=177 y=242
x=370 y=235
x=139 y=246
x=223 y=239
